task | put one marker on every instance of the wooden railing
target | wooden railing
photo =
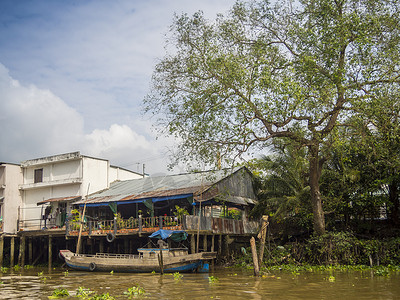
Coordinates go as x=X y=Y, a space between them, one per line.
x=123 y=226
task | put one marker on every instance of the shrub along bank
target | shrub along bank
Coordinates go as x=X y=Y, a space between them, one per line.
x=333 y=248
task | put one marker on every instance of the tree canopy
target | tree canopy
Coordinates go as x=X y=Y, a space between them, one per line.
x=295 y=70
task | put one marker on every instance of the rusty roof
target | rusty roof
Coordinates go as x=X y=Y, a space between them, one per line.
x=60 y=199
x=161 y=186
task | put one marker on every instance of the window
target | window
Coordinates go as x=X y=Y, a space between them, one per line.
x=38 y=175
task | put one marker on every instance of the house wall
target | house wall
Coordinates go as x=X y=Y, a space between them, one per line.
x=238 y=184
x=116 y=173
x=64 y=175
x=10 y=179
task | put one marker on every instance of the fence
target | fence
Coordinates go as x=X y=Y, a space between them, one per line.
x=120 y=226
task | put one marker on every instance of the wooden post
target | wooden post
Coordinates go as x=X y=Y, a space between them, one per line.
x=101 y=245
x=227 y=252
x=50 y=251
x=12 y=245
x=205 y=243
x=192 y=244
x=126 y=245
x=160 y=261
x=140 y=224
x=21 y=256
x=212 y=242
x=220 y=244
x=30 y=251
x=262 y=236
x=255 y=259
x=1 y=250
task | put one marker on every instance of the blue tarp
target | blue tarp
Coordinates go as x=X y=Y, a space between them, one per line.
x=175 y=235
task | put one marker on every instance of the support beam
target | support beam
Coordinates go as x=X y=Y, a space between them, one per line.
x=219 y=244
x=193 y=243
x=212 y=243
x=101 y=245
x=50 y=248
x=30 y=251
x=21 y=256
x=12 y=250
x=205 y=243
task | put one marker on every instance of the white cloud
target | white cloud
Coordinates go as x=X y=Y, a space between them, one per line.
x=37 y=123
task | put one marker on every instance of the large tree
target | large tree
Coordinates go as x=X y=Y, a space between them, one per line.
x=291 y=70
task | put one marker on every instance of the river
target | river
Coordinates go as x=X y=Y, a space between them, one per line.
x=223 y=283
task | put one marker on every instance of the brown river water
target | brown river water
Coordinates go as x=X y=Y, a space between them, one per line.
x=231 y=284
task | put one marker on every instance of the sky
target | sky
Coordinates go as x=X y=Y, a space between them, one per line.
x=73 y=76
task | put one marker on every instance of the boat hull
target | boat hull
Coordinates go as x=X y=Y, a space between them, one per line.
x=136 y=263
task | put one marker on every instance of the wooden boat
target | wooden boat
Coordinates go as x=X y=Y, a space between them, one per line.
x=148 y=260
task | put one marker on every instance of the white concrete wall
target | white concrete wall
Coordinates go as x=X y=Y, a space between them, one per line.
x=95 y=173
x=12 y=178
x=116 y=173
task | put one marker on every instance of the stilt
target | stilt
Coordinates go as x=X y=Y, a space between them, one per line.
x=205 y=243
x=227 y=252
x=130 y=246
x=101 y=245
x=126 y=245
x=255 y=258
x=212 y=243
x=21 y=256
x=1 y=250
x=30 y=251
x=50 y=251
x=219 y=244
x=12 y=247
x=193 y=243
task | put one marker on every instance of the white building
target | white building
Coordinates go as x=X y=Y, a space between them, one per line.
x=51 y=184
x=10 y=196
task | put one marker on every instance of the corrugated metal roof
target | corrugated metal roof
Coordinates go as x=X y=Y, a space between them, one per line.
x=161 y=186
x=60 y=199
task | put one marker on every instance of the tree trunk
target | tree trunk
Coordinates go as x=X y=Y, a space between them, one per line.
x=316 y=202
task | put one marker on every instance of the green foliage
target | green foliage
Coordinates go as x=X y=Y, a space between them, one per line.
x=82 y=292
x=213 y=279
x=105 y=296
x=297 y=71
x=59 y=293
x=177 y=276
x=135 y=291
x=180 y=211
x=4 y=269
x=17 y=268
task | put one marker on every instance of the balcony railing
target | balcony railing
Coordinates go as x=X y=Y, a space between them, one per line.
x=124 y=226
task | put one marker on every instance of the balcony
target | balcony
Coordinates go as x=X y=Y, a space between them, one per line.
x=29 y=186
x=151 y=224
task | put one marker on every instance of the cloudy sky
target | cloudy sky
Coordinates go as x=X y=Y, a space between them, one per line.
x=73 y=75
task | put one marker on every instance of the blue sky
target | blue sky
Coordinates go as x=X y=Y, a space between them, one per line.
x=73 y=75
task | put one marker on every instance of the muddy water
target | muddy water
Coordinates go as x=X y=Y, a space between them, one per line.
x=232 y=284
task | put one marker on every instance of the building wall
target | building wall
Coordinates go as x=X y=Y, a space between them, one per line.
x=95 y=174
x=10 y=179
x=64 y=175
x=116 y=173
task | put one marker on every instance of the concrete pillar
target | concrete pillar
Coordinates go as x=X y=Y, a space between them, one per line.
x=12 y=250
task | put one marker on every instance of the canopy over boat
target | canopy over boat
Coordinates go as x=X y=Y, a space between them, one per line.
x=175 y=235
